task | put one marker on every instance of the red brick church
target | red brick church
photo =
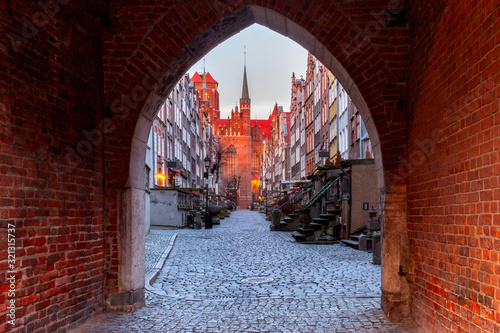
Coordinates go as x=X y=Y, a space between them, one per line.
x=241 y=141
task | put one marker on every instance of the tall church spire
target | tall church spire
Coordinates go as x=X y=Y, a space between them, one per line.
x=204 y=90
x=245 y=97
x=204 y=75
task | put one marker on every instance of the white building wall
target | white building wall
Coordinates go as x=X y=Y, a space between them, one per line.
x=343 y=124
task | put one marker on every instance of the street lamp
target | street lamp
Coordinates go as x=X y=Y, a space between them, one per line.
x=208 y=217
x=267 y=181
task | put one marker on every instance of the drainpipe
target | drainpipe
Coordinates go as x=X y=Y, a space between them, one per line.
x=349 y=201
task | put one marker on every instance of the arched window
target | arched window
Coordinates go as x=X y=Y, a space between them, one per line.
x=232 y=161
x=256 y=133
x=255 y=161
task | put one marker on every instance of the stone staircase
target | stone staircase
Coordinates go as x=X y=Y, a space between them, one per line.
x=323 y=228
x=331 y=229
x=354 y=239
x=291 y=222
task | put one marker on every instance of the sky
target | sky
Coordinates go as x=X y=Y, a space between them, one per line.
x=271 y=59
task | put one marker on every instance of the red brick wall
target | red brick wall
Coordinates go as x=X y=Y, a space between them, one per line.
x=51 y=173
x=453 y=164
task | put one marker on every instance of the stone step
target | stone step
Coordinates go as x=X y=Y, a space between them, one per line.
x=316 y=226
x=328 y=238
x=283 y=223
x=293 y=215
x=321 y=220
x=351 y=243
x=288 y=219
x=333 y=211
x=323 y=242
x=293 y=226
x=306 y=231
x=298 y=236
x=328 y=216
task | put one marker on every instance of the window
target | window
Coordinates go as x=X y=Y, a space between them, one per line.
x=341 y=141
x=353 y=137
x=232 y=161
x=148 y=170
x=357 y=127
x=255 y=161
x=162 y=146
x=159 y=177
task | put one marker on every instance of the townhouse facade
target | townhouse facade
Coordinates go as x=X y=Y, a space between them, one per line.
x=297 y=129
x=325 y=124
x=177 y=140
x=332 y=116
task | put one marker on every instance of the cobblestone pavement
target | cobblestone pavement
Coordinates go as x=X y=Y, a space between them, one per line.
x=156 y=243
x=241 y=277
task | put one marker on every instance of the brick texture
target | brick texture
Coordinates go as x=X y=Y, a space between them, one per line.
x=51 y=162
x=453 y=176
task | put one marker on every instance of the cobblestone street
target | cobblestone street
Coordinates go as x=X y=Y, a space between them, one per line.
x=241 y=277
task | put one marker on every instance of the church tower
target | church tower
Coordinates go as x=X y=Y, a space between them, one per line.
x=245 y=104
x=243 y=137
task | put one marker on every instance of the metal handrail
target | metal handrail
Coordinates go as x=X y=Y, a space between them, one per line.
x=296 y=196
x=321 y=192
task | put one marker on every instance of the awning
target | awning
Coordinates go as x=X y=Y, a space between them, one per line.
x=172 y=171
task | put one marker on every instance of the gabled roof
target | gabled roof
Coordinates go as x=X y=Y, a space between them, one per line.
x=197 y=78
x=222 y=122
x=264 y=124
x=210 y=79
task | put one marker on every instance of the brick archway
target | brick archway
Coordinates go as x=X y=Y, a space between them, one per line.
x=81 y=79
x=139 y=75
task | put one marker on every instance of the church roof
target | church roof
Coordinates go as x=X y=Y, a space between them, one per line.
x=264 y=124
x=210 y=79
x=198 y=79
x=222 y=121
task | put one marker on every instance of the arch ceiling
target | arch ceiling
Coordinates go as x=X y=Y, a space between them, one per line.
x=145 y=58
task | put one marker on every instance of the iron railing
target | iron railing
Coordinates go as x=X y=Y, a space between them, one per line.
x=321 y=192
x=296 y=196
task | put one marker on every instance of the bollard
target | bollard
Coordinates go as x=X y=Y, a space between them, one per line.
x=373 y=235
x=276 y=219
x=377 y=248
x=362 y=243
x=198 y=220
x=208 y=220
